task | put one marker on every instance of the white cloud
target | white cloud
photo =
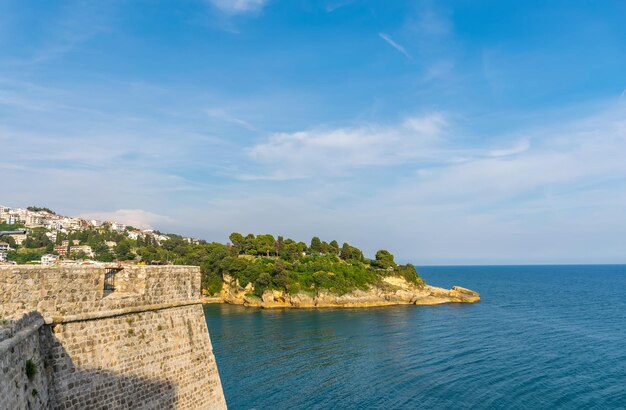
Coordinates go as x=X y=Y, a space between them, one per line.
x=519 y=147
x=239 y=6
x=331 y=152
x=395 y=45
x=540 y=198
x=135 y=217
x=220 y=114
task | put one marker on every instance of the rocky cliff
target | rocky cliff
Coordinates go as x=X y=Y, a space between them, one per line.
x=391 y=291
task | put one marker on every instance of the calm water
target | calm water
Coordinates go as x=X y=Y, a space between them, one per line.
x=542 y=337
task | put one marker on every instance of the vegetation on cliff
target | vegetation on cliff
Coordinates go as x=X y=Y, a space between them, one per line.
x=264 y=261
x=284 y=264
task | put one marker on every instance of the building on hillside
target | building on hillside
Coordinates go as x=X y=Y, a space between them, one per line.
x=4 y=247
x=110 y=244
x=52 y=236
x=4 y=213
x=134 y=235
x=33 y=220
x=86 y=249
x=49 y=259
x=3 y=256
x=65 y=243
x=18 y=237
x=61 y=250
x=118 y=227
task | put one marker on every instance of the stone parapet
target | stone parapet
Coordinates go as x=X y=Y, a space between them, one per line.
x=69 y=342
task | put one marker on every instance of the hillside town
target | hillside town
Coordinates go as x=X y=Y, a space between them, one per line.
x=39 y=235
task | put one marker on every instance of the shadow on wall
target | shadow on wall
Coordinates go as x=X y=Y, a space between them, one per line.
x=38 y=373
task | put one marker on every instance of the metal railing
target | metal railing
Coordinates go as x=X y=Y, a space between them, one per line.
x=109 y=280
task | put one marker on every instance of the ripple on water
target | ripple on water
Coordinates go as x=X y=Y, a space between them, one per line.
x=542 y=337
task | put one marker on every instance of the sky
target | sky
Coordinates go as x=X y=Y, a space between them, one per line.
x=448 y=132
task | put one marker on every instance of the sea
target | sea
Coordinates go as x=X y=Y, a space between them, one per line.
x=542 y=337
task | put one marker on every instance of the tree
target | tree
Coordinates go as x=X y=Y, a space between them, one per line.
x=238 y=241
x=302 y=248
x=289 y=250
x=279 y=274
x=316 y=245
x=36 y=238
x=278 y=245
x=9 y=239
x=39 y=209
x=123 y=251
x=334 y=247
x=384 y=260
x=325 y=248
x=264 y=244
x=249 y=245
x=262 y=283
x=350 y=252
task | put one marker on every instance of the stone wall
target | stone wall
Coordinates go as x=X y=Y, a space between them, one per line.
x=143 y=346
x=21 y=388
x=71 y=290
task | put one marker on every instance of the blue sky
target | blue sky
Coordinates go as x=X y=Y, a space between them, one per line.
x=449 y=132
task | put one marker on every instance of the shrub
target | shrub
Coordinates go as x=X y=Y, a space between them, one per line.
x=31 y=369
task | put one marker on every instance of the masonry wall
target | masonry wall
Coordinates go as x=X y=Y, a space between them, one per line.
x=17 y=389
x=144 y=346
x=71 y=290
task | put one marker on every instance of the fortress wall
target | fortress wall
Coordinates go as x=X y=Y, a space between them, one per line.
x=159 y=359
x=72 y=290
x=17 y=389
x=143 y=346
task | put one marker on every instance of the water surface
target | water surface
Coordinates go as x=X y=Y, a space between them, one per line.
x=542 y=337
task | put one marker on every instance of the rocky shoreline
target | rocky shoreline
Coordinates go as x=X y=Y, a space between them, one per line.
x=392 y=291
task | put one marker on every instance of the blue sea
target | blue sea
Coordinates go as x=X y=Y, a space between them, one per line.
x=542 y=337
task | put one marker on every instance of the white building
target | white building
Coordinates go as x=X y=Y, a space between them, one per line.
x=135 y=234
x=49 y=259
x=86 y=249
x=118 y=227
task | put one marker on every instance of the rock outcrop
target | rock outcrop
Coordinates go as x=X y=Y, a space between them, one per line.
x=391 y=291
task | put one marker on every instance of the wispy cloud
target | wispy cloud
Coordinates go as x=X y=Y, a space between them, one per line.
x=337 y=4
x=395 y=45
x=220 y=114
x=75 y=24
x=335 y=151
x=239 y=6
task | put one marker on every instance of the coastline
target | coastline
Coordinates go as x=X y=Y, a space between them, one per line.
x=393 y=291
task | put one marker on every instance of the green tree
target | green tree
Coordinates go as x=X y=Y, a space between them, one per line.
x=264 y=244
x=249 y=245
x=123 y=251
x=238 y=241
x=333 y=247
x=350 y=252
x=316 y=245
x=262 y=283
x=36 y=238
x=8 y=239
x=384 y=260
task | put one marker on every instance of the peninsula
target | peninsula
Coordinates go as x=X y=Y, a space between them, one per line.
x=262 y=272
x=252 y=270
